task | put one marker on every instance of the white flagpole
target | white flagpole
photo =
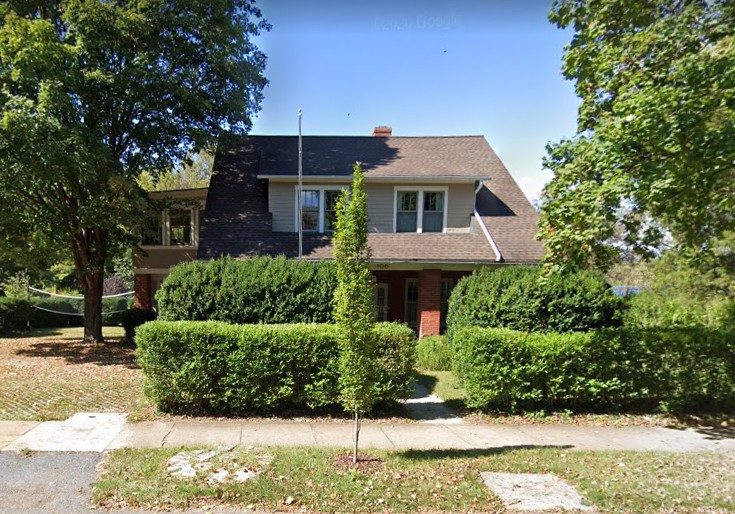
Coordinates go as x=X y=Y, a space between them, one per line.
x=301 y=247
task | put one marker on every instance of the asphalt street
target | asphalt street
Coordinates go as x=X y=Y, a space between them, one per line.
x=46 y=483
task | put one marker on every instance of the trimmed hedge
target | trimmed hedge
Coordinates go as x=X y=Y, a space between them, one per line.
x=21 y=314
x=261 y=290
x=515 y=297
x=434 y=353
x=230 y=369
x=683 y=369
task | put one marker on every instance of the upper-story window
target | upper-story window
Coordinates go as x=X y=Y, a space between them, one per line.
x=181 y=227
x=420 y=210
x=318 y=208
x=173 y=227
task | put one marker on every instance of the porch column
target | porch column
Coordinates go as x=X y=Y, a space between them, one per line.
x=429 y=305
x=142 y=286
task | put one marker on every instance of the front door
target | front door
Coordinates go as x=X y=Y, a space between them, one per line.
x=381 y=302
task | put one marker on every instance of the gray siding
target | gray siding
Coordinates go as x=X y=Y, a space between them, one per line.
x=282 y=205
x=460 y=202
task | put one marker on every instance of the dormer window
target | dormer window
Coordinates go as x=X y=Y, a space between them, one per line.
x=318 y=208
x=420 y=209
x=310 y=210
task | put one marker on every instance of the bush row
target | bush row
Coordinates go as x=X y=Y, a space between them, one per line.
x=674 y=369
x=260 y=290
x=230 y=369
x=21 y=314
x=515 y=297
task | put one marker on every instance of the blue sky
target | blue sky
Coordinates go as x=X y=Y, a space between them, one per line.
x=435 y=67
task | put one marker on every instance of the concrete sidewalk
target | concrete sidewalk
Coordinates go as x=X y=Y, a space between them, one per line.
x=99 y=432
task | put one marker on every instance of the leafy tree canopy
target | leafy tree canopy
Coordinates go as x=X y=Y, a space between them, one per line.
x=94 y=92
x=194 y=173
x=654 y=151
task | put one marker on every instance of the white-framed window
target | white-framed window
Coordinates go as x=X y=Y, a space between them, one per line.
x=318 y=207
x=420 y=209
x=177 y=226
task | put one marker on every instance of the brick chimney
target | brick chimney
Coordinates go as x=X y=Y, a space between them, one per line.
x=382 y=131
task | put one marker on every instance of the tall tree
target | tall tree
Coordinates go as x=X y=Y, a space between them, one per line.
x=654 y=151
x=195 y=172
x=92 y=93
x=353 y=304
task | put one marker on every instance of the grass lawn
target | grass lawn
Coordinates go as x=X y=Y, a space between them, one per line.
x=64 y=333
x=51 y=374
x=321 y=480
x=444 y=385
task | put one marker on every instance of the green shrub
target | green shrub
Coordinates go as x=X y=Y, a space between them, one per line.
x=683 y=292
x=15 y=314
x=515 y=297
x=131 y=319
x=230 y=369
x=685 y=369
x=434 y=353
x=22 y=314
x=676 y=307
x=260 y=290
x=43 y=317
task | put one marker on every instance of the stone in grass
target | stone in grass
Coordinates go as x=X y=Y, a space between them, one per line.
x=189 y=464
x=530 y=491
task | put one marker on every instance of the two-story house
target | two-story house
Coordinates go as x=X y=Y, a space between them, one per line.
x=438 y=207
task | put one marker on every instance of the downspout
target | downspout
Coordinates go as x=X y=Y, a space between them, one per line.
x=498 y=256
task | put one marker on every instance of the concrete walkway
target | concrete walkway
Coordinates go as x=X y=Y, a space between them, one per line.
x=98 y=432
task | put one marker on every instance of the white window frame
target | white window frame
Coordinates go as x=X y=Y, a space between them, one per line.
x=166 y=224
x=384 y=287
x=322 y=204
x=420 y=207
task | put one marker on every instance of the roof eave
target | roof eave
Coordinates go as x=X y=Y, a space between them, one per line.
x=377 y=179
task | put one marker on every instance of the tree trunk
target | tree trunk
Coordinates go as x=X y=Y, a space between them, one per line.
x=93 y=306
x=357 y=435
x=89 y=251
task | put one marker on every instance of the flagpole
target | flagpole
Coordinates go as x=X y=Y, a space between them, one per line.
x=301 y=247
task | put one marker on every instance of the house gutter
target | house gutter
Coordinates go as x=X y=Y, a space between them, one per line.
x=379 y=179
x=498 y=256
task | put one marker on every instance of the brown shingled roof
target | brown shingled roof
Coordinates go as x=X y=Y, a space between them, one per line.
x=509 y=218
x=236 y=220
x=381 y=157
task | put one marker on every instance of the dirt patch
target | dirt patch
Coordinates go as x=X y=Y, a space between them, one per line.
x=49 y=379
x=364 y=463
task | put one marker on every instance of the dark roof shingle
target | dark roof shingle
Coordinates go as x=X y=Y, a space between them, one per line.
x=236 y=220
x=453 y=157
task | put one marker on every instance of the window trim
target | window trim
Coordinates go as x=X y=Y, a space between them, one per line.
x=384 y=287
x=420 y=207
x=321 y=189
x=166 y=226
x=413 y=324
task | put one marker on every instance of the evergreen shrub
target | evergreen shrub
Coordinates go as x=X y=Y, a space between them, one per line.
x=671 y=369
x=23 y=314
x=516 y=297
x=131 y=319
x=222 y=368
x=260 y=290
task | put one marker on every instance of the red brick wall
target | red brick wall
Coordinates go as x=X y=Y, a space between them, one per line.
x=142 y=285
x=429 y=307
